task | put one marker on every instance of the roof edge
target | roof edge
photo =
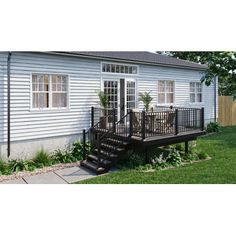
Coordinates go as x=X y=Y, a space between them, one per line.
x=127 y=60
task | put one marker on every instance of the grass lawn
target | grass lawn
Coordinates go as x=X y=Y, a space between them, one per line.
x=219 y=170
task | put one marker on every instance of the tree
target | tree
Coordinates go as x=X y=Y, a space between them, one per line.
x=220 y=64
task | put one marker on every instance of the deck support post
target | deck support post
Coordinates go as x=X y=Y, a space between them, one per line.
x=84 y=144
x=176 y=122
x=130 y=123
x=186 y=147
x=143 y=124
x=92 y=116
x=202 y=119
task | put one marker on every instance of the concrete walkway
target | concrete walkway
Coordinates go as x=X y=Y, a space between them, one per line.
x=63 y=176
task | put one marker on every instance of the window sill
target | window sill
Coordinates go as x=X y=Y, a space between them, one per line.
x=49 y=110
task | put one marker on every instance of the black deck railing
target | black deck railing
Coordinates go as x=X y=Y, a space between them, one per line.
x=159 y=122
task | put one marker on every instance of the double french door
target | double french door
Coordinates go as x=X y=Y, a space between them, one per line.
x=121 y=95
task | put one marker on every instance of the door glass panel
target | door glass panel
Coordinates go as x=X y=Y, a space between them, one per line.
x=111 y=90
x=130 y=95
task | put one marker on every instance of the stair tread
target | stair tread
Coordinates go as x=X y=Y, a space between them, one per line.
x=94 y=157
x=103 y=152
x=119 y=149
x=118 y=141
x=92 y=166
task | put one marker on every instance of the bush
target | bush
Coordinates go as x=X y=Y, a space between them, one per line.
x=202 y=155
x=63 y=156
x=132 y=160
x=213 y=127
x=20 y=165
x=42 y=159
x=77 y=150
x=3 y=167
x=174 y=158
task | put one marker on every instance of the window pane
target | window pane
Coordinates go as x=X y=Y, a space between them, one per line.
x=108 y=68
x=192 y=97
x=40 y=100
x=59 y=100
x=122 y=69
x=126 y=69
x=134 y=69
x=161 y=98
x=170 y=97
x=199 y=87
x=117 y=69
x=103 y=67
x=130 y=70
x=192 y=87
x=199 y=97
x=161 y=86
x=169 y=86
x=113 y=68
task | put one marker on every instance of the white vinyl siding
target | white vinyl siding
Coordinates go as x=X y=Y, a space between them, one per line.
x=84 y=81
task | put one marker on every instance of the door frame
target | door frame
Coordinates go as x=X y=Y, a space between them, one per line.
x=126 y=79
x=118 y=91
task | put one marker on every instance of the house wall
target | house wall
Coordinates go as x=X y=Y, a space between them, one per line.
x=31 y=130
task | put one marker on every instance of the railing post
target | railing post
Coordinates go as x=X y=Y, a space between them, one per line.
x=99 y=150
x=92 y=116
x=202 y=119
x=114 y=120
x=176 y=121
x=143 y=124
x=130 y=123
x=84 y=144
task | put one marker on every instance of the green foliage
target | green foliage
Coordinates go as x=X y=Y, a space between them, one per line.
x=103 y=98
x=77 y=149
x=213 y=127
x=42 y=159
x=3 y=167
x=132 y=160
x=146 y=99
x=20 y=165
x=63 y=156
x=202 y=155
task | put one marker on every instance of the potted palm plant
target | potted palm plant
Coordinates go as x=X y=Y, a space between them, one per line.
x=103 y=99
x=146 y=99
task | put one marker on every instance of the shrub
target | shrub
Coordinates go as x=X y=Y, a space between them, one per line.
x=179 y=147
x=3 y=167
x=174 y=158
x=63 y=156
x=20 y=165
x=132 y=160
x=42 y=159
x=202 y=155
x=77 y=150
x=159 y=161
x=213 y=127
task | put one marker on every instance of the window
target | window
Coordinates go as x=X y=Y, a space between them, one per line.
x=165 y=92
x=117 y=68
x=195 y=92
x=49 y=91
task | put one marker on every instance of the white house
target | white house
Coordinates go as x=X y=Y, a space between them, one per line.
x=45 y=97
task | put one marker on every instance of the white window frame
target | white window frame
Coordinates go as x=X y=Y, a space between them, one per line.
x=50 y=108
x=196 y=103
x=174 y=92
x=120 y=64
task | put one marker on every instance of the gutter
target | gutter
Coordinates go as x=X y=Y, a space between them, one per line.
x=9 y=105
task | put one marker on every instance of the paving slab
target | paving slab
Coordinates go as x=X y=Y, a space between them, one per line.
x=74 y=174
x=14 y=181
x=46 y=178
